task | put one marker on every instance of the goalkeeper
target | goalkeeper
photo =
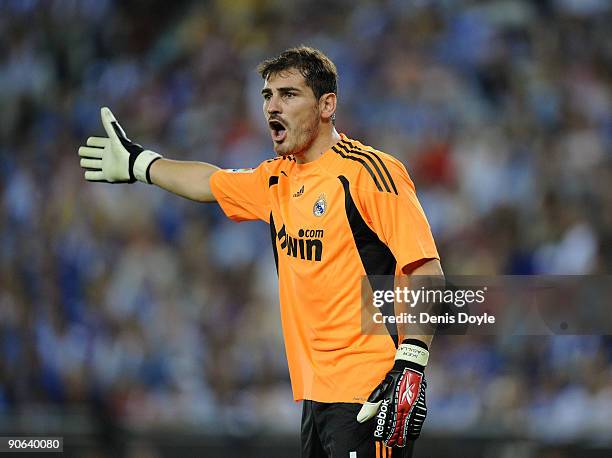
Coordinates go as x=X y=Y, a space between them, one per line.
x=337 y=210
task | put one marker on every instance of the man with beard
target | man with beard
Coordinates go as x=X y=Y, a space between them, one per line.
x=337 y=210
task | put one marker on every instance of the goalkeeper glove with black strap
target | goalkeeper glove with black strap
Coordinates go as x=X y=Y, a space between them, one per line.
x=398 y=402
x=115 y=159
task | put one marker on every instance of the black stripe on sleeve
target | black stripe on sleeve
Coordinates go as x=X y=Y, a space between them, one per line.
x=272 y=181
x=382 y=163
x=362 y=162
x=362 y=153
x=376 y=257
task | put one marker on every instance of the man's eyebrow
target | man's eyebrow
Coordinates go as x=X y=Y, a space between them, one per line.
x=282 y=90
x=289 y=89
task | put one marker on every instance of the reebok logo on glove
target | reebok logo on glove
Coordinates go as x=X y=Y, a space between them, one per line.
x=398 y=402
x=382 y=416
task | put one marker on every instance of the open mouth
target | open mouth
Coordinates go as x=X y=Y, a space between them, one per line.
x=278 y=131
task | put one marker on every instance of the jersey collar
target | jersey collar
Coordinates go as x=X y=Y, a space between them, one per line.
x=323 y=161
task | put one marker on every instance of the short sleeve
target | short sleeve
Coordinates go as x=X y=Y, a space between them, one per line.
x=243 y=194
x=398 y=218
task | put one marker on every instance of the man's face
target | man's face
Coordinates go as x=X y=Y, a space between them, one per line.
x=292 y=112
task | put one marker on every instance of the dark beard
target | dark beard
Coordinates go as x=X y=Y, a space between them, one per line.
x=311 y=135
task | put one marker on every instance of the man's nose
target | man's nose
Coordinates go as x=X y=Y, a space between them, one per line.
x=273 y=105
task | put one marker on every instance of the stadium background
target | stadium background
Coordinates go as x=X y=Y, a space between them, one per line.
x=135 y=323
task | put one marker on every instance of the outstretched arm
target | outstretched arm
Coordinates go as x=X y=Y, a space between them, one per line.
x=184 y=178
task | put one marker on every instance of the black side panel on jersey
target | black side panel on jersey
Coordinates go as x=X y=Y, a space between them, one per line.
x=273 y=235
x=271 y=182
x=376 y=257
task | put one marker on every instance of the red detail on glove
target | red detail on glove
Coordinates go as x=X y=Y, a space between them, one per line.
x=407 y=394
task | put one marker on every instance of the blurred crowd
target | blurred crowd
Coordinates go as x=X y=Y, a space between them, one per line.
x=153 y=310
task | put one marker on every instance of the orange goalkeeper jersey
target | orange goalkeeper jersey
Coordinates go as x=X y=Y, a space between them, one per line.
x=351 y=212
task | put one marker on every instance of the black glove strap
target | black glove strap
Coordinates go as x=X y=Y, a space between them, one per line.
x=134 y=149
x=416 y=343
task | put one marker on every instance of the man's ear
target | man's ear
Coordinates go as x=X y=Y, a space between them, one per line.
x=327 y=105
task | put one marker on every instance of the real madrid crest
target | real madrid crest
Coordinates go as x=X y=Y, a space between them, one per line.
x=320 y=206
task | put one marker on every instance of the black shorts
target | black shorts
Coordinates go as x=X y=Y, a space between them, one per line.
x=332 y=431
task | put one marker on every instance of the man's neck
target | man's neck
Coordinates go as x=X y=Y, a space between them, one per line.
x=321 y=144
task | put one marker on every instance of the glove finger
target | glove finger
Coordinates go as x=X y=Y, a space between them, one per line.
x=368 y=410
x=377 y=394
x=94 y=175
x=91 y=164
x=91 y=153
x=98 y=142
x=112 y=126
x=107 y=121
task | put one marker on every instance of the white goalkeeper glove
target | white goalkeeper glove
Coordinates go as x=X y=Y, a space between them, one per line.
x=398 y=402
x=115 y=159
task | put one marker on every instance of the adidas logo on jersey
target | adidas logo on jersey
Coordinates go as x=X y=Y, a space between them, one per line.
x=310 y=249
x=299 y=193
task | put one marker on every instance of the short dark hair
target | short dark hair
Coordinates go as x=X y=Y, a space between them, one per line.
x=317 y=69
